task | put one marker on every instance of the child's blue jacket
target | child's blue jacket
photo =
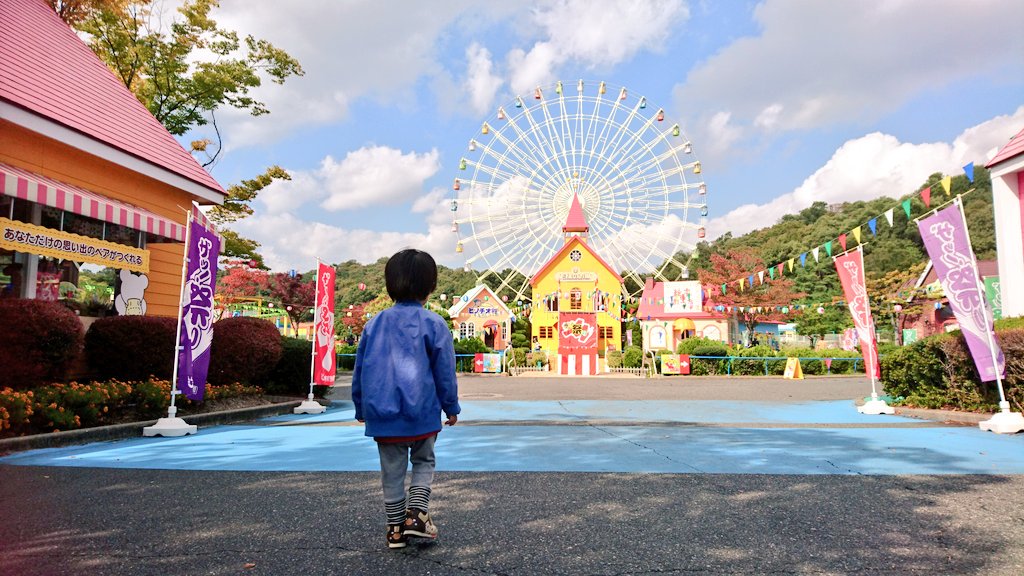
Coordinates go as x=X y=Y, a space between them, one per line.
x=405 y=372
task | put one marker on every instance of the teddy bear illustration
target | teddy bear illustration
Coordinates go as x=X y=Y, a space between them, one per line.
x=131 y=301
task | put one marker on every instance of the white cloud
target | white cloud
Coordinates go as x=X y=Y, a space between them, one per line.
x=349 y=50
x=596 y=33
x=375 y=176
x=289 y=242
x=871 y=166
x=817 y=64
x=481 y=83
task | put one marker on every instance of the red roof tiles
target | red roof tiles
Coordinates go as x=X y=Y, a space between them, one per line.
x=47 y=70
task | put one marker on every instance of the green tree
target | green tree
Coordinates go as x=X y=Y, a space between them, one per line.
x=184 y=75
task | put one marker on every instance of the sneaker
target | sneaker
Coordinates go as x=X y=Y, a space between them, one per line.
x=396 y=537
x=418 y=523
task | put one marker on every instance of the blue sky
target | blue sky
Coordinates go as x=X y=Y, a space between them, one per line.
x=785 y=102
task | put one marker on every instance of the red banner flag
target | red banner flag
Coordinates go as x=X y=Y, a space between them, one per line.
x=850 y=267
x=323 y=343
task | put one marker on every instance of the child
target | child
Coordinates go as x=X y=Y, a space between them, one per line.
x=404 y=377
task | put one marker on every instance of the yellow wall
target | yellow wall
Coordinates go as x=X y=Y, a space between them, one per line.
x=548 y=284
x=30 y=151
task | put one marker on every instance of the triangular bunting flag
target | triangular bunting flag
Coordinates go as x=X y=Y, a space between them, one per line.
x=906 y=207
x=760 y=277
x=815 y=251
x=780 y=269
x=888 y=216
x=771 y=272
x=926 y=195
x=790 y=262
x=969 y=171
x=856 y=234
x=828 y=248
x=842 y=241
x=741 y=284
x=873 y=226
x=803 y=260
x=946 y=183
x=751 y=280
x=723 y=289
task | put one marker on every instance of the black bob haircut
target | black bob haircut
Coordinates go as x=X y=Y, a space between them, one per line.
x=410 y=275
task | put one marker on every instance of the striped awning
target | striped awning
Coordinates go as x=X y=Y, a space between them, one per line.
x=29 y=186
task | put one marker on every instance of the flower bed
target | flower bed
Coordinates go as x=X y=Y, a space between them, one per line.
x=74 y=405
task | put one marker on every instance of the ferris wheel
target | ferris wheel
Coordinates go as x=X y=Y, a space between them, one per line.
x=635 y=174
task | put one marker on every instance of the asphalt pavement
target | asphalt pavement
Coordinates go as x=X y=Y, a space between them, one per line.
x=542 y=476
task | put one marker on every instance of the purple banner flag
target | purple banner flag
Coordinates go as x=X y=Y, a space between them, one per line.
x=197 y=310
x=945 y=237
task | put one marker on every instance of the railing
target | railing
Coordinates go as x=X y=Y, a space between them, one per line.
x=729 y=360
x=465 y=363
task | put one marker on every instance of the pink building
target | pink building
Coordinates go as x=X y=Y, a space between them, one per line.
x=1007 y=170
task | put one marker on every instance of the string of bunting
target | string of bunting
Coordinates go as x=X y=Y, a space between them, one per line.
x=843 y=239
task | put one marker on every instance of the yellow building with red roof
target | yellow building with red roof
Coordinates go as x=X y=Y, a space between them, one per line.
x=576 y=314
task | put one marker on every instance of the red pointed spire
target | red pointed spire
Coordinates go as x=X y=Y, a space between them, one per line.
x=576 y=221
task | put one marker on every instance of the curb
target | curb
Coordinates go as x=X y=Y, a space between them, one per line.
x=134 y=429
x=945 y=416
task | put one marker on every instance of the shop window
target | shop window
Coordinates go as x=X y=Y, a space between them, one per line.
x=551 y=303
x=605 y=332
x=575 y=299
x=467 y=330
x=546 y=331
x=504 y=333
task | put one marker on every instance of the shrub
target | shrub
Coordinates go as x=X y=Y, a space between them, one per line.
x=633 y=357
x=688 y=345
x=532 y=358
x=938 y=372
x=244 y=349
x=347 y=358
x=704 y=366
x=614 y=358
x=471 y=346
x=131 y=347
x=519 y=356
x=290 y=375
x=38 y=343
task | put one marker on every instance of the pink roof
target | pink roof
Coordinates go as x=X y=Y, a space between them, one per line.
x=47 y=70
x=1014 y=147
x=576 y=221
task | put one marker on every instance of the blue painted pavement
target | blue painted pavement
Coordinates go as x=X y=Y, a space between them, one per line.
x=690 y=437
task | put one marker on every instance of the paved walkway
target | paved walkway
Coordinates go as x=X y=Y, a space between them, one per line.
x=739 y=476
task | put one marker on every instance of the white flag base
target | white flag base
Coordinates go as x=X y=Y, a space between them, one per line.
x=1004 y=421
x=310 y=406
x=170 y=426
x=875 y=406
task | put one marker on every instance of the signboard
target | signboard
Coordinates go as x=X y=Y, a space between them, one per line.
x=33 y=239
x=994 y=296
x=682 y=297
x=577 y=330
x=793 y=369
x=909 y=336
x=488 y=363
x=675 y=364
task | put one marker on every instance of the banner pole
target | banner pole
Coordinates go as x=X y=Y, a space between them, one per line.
x=1005 y=421
x=172 y=425
x=309 y=405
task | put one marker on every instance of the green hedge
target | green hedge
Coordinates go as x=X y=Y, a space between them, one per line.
x=938 y=372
